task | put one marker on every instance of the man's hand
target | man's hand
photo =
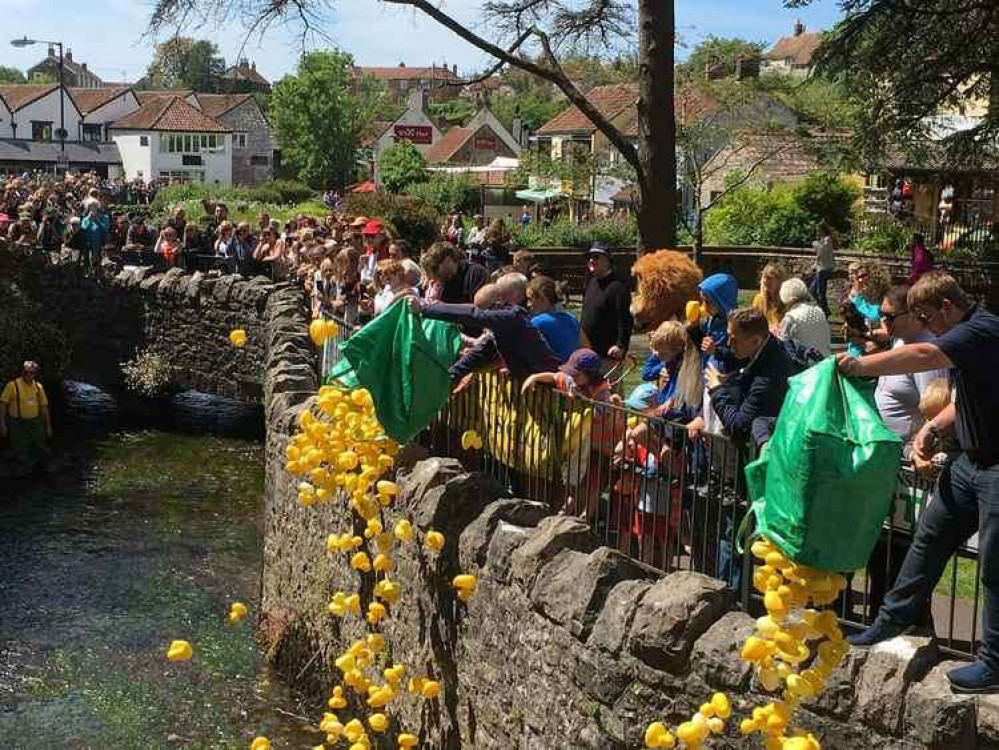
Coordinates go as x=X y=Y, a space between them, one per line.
x=663 y=378
x=695 y=427
x=849 y=365
x=415 y=304
x=463 y=383
x=528 y=384
x=48 y=431
x=713 y=377
x=709 y=346
x=924 y=443
x=616 y=353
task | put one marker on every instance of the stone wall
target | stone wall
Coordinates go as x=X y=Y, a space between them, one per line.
x=186 y=318
x=567 y=643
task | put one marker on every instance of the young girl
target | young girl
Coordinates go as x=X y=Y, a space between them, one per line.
x=347 y=289
x=393 y=275
x=674 y=360
x=861 y=309
x=767 y=300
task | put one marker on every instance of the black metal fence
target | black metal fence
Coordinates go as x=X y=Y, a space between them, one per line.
x=674 y=501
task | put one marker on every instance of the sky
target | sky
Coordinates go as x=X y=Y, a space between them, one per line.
x=109 y=34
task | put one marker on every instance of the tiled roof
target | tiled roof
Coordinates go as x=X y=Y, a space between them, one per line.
x=87 y=100
x=22 y=94
x=244 y=72
x=216 y=105
x=404 y=73
x=610 y=101
x=172 y=114
x=145 y=97
x=799 y=48
x=448 y=145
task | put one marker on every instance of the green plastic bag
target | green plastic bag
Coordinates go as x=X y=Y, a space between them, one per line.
x=403 y=361
x=826 y=480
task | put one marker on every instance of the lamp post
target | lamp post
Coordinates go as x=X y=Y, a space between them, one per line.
x=25 y=42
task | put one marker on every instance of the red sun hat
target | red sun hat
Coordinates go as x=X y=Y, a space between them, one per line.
x=372 y=227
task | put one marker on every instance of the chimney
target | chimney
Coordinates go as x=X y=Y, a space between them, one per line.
x=799 y=28
x=517 y=130
x=402 y=65
x=253 y=65
x=454 y=69
x=83 y=65
x=69 y=55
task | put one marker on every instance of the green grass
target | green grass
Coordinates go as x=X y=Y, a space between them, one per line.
x=967 y=574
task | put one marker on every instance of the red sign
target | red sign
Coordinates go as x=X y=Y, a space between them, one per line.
x=421 y=134
x=485 y=143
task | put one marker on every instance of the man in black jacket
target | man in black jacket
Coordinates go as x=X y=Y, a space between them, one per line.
x=606 y=317
x=459 y=279
x=757 y=390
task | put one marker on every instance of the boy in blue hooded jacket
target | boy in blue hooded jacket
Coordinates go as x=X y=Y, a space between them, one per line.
x=719 y=295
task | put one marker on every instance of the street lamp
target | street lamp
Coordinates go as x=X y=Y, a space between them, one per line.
x=25 y=42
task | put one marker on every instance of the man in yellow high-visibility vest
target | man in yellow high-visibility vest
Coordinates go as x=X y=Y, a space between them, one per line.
x=24 y=416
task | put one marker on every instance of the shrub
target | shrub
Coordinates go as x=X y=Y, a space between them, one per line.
x=622 y=232
x=881 y=236
x=274 y=192
x=410 y=218
x=447 y=192
x=25 y=334
x=147 y=374
x=401 y=165
x=826 y=195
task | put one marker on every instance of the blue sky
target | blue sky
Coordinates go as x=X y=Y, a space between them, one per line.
x=108 y=34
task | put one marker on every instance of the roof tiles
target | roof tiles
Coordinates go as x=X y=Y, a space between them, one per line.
x=170 y=114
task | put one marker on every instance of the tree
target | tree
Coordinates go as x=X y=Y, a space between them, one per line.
x=720 y=56
x=319 y=117
x=185 y=63
x=544 y=26
x=724 y=134
x=10 y=75
x=401 y=165
x=909 y=62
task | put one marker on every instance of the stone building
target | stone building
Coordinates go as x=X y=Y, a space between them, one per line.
x=244 y=78
x=252 y=142
x=401 y=81
x=75 y=73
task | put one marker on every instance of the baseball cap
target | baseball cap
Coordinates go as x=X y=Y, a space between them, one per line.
x=598 y=248
x=585 y=361
x=360 y=222
x=372 y=227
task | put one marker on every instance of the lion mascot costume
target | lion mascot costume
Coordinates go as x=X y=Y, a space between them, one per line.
x=666 y=281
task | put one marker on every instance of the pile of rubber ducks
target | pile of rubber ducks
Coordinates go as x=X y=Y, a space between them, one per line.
x=708 y=720
x=343 y=454
x=783 y=652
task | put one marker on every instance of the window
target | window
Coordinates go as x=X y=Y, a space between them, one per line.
x=93 y=133
x=183 y=175
x=41 y=131
x=190 y=143
x=143 y=140
x=191 y=160
x=240 y=140
x=259 y=160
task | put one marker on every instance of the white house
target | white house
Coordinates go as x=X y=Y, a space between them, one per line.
x=169 y=138
x=100 y=108
x=414 y=125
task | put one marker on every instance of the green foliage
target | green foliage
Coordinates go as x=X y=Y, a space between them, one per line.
x=881 y=235
x=276 y=192
x=319 y=115
x=621 y=232
x=410 y=218
x=185 y=63
x=783 y=215
x=452 y=112
x=25 y=334
x=720 y=55
x=446 y=192
x=11 y=75
x=826 y=195
x=534 y=107
x=401 y=165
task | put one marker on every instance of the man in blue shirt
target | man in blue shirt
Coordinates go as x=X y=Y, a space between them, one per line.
x=967 y=497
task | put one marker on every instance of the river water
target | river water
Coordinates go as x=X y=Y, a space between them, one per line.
x=139 y=537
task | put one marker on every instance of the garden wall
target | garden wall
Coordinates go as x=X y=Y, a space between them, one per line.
x=566 y=644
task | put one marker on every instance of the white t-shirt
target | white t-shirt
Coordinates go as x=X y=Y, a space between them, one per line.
x=897 y=396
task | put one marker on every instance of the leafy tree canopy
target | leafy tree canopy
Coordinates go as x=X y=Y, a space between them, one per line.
x=720 y=55
x=11 y=75
x=401 y=165
x=910 y=62
x=185 y=63
x=319 y=116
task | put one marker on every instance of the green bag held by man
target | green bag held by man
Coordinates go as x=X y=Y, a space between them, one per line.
x=826 y=480
x=403 y=361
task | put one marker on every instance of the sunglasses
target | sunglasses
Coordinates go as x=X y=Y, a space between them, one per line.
x=892 y=317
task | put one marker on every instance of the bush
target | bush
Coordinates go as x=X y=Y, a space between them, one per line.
x=401 y=165
x=622 y=232
x=447 y=192
x=409 y=218
x=25 y=334
x=882 y=236
x=783 y=215
x=274 y=192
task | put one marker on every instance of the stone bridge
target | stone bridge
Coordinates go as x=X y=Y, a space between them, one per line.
x=184 y=318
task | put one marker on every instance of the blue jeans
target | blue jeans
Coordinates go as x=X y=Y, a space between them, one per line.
x=967 y=500
x=818 y=288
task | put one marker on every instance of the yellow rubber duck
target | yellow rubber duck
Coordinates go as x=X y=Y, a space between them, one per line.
x=237 y=612
x=179 y=651
x=378 y=722
x=237 y=338
x=465 y=586
x=431 y=689
x=470 y=440
x=337 y=701
x=361 y=562
x=434 y=541
x=657 y=735
x=382 y=563
x=317 y=331
x=353 y=730
x=407 y=741
x=260 y=743
x=376 y=613
x=403 y=530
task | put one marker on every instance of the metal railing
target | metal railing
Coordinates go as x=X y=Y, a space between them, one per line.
x=651 y=491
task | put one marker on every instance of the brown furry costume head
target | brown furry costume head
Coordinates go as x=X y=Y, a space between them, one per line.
x=666 y=281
